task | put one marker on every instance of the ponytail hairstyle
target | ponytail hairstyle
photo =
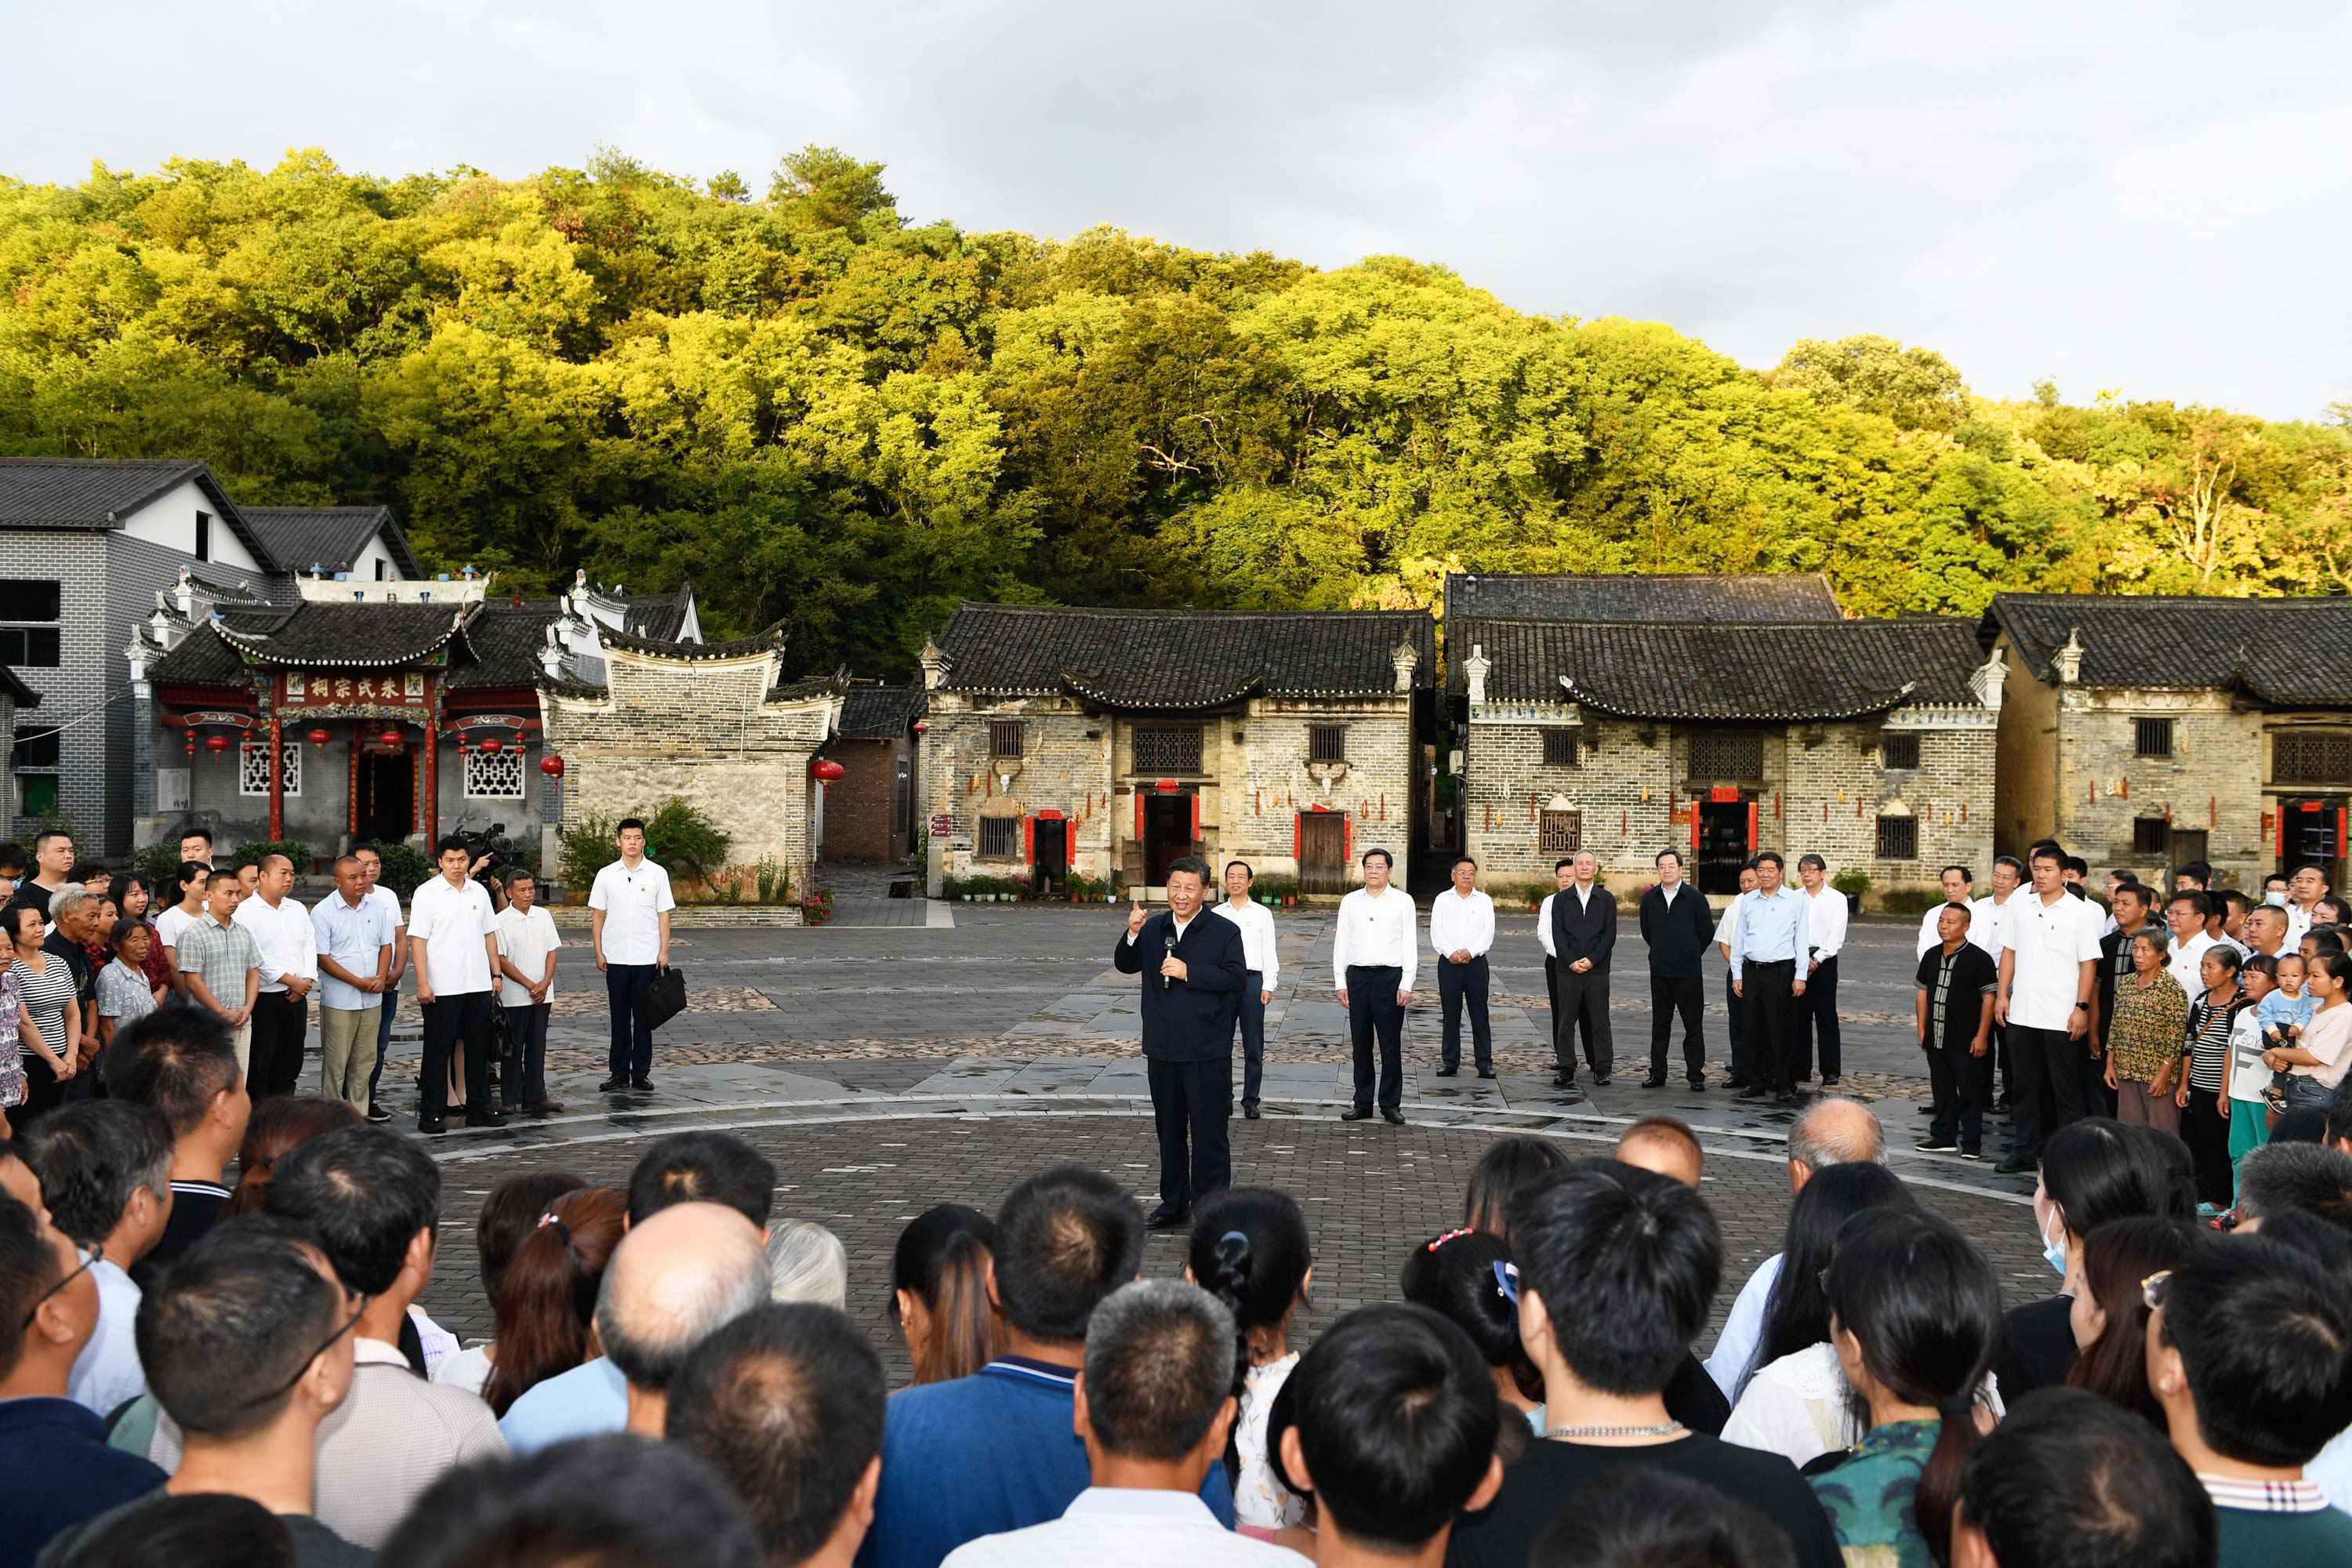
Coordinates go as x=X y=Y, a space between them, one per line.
x=1460 y=1276
x=547 y=1297
x=279 y=1126
x=2116 y=1257
x=1249 y=1249
x=1925 y=1308
x=941 y=1262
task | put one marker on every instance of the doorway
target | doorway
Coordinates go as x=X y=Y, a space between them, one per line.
x=1722 y=844
x=387 y=809
x=2310 y=834
x=1167 y=834
x=1050 y=865
x=1322 y=852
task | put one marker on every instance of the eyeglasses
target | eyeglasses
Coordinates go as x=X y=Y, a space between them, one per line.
x=2152 y=1289
x=304 y=1365
x=87 y=1259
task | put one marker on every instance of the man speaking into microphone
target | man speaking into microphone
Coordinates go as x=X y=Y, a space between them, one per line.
x=1192 y=978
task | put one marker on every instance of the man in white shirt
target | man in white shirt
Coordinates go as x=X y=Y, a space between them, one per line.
x=1461 y=932
x=1265 y=974
x=1152 y=1405
x=182 y=915
x=2048 y=971
x=2184 y=916
x=1726 y=934
x=1957 y=882
x=1989 y=919
x=354 y=943
x=2303 y=889
x=628 y=931
x=1373 y=959
x=452 y=941
x=385 y=898
x=527 y=944
x=1563 y=872
x=1817 y=1019
x=288 y=962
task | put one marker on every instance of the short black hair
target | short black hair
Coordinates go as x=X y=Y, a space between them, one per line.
x=240 y=1313
x=192 y=871
x=451 y=841
x=1627 y=1262
x=1966 y=875
x=1247 y=869
x=1066 y=1238
x=1159 y=1361
x=29 y=1267
x=703 y=1168
x=1464 y=860
x=364 y=1191
x=367 y=847
x=2200 y=902
x=1638 y=1516
x=522 y=874
x=2046 y=851
x=1397 y=1418
x=2339 y=1112
x=626 y=822
x=1771 y=854
x=2076 y=864
x=1815 y=861
x=2314 y=1177
x=2236 y=899
x=609 y=1501
x=785 y=1403
x=510 y=1213
x=1192 y=865
x=1659 y=859
x=2266 y=1345
x=202 y=1530
x=193 y=830
x=1563 y=860
x=2200 y=870
x=1367 y=858
x=92 y=1157
x=13 y=859
x=2068 y=1479
x=178 y=1059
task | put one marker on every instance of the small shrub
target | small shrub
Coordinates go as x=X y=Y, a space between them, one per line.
x=294 y=849
x=1851 y=882
x=774 y=884
x=158 y=866
x=1909 y=900
x=679 y=838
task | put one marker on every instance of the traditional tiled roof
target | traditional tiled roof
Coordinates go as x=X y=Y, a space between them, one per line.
x=329 y=538
x=659 y=617
x=1642 y=596
x=2286 y=652
x=501 y=646
x=1786 y=673
x=1182 y=658
x=16 y=690
x=102 y=492
x=497 y=647
x=875 y=712
x=765 y=641
x=808 y=686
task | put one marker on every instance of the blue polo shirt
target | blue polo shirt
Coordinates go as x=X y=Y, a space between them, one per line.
x=589 y=1401
x=981 y=1455
x=61 y=1472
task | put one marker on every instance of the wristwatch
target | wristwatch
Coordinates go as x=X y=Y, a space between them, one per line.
x=2082 y=1006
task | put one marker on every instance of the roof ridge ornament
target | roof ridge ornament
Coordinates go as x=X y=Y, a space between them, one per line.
x=2067 y=662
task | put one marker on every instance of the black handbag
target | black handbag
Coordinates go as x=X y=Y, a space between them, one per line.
x=663 y=998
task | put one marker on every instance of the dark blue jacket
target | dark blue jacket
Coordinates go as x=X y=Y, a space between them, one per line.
x=1189 y=1020
x=60 y=1473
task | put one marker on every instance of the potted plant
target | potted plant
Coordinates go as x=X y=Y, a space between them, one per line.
x=1853 y=884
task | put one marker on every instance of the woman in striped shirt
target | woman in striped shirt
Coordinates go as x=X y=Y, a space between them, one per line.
x=2203 y=1094
x=46 y=1012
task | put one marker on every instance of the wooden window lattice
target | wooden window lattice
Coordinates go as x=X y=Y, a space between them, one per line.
x=1727 y=755
x=1898 y=838
x=1175 y=749
x=1561 y=832
x=2317 y=757
x=253 y=768
x=1327 y=742
x=1000 y=837
x=1559 y=748
x=494 y=775
x=1004 y=737
x=2152 y=737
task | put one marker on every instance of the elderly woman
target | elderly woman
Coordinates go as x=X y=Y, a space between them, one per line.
x=807 y=1262
x=2143 y=1041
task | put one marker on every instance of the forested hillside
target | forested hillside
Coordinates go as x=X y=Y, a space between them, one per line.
x=827 y=416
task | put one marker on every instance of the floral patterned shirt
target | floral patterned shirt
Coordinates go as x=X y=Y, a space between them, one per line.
x=2149 y=1024
x=1260 y=1499
x=1870 y=1497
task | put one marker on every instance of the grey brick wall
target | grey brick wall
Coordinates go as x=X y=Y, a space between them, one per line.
x=78 y=688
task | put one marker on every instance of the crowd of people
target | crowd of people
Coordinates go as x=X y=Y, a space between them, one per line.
x=195 y=1374
x=93 y=952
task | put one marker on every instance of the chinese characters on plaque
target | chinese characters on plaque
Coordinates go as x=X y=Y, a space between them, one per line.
x=316 y=687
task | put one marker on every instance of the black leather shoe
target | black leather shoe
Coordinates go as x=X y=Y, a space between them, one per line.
x=1829 y=1080
x=1927 y=1111
x=1449 y=1072
x=1757 y=1091
x=1788 y=1096
x=642 y=1085
x=1249 y=1113
x=1698 y=1086
x=1363 y=1115
x=1601 y=1078
x=2015 y=1165
x=1650 y=1082
x=378 y=1114
x=1559 y=1082
x=545 y=1108
x=486 y=1118
x=1165 y=1218
x=612 y=1086
x=1735 y=1083
x=431 y=1126
x=1393 y=1118
x=1485 y=1072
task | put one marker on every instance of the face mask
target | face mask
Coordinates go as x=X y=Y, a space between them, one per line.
x=2276 y=901
x=2054 y=1252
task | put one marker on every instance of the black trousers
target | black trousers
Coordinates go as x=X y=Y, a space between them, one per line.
x=1669 y=994
x=274 y=1063
x=522 y=1079
x=1189 y=1101
x=1817 y=1023
x=452 y=1024
x=1551 y=989
x=1251 y=1016
x=1583 y=1008
x=1457 y=984
x=1961 y=1084
x=631 y=1055
x=1771 y=1023
x=1372 y=1009
x=2207 y=1134
x=1737 y=1005
x=2044 y=1060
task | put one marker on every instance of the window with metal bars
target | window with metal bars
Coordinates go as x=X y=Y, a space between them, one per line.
x=1727 y=755
x=1559 y=832
x=2312 y=756
x=1172 y=749
x=1327 y=742
x=1898 y=751
x=1898 y=838
x=1004 y=736
x=2152 y=737
x=1559 y=748
x=2151 y=836
x=1000 y=837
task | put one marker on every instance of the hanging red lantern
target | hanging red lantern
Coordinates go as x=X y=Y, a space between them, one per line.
x=551 y=765
x=491 y=745
x=216 y=742
x=319 y=738
x=192 y=742
x=391 y=739
x=461 y=742
x=824 y=770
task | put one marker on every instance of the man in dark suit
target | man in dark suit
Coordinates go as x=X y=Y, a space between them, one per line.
x=1193 y=972
x=1676 y=926
x=1583 y=936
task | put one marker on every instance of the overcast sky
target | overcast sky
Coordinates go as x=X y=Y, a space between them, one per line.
x=2146 y=196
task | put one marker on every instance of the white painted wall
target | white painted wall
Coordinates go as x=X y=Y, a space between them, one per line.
x=170 y=521
x=364 y=567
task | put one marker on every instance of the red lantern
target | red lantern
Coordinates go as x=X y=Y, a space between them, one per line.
x=216 y=742
x=824 y=770
x=319 y=738
x=192 y=742
x=551 y=765
x=391 y=739
x=490 y=745
x=461 y=742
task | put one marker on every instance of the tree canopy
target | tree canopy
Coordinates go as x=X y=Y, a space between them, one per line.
x=825 y=414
